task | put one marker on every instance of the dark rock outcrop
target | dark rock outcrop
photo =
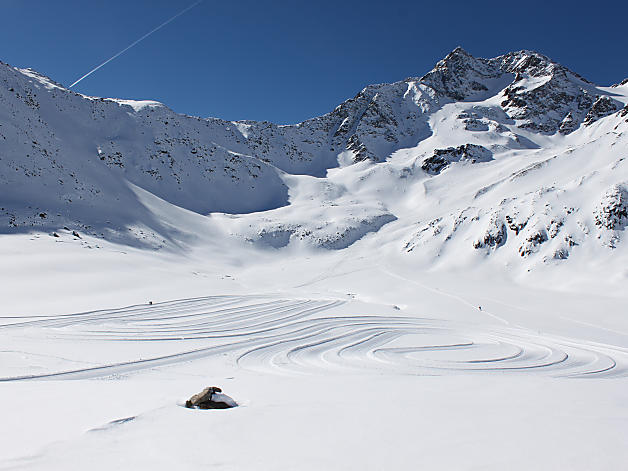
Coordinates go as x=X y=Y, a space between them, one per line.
x=210 y=398
x=532 y=241
x=612 y=213
x=460 y=76
x=443 y=157
x=494 y=236
x=602 y=107
x=515 y=225
x=542 y=95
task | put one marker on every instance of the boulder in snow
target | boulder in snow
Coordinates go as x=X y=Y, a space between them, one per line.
x=210 y=398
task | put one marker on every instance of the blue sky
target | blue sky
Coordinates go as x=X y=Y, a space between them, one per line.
x=289 y=61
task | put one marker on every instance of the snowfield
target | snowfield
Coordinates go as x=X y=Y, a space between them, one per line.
x=431 y=276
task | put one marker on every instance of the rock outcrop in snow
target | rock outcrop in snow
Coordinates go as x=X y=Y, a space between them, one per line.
x=612 y=213
x=210 y=398
x=444 y=157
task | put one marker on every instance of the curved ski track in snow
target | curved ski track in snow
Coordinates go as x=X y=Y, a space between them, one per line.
x=302 y=336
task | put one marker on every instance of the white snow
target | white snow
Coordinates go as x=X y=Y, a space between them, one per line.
x=364 y=314
x=137 y=105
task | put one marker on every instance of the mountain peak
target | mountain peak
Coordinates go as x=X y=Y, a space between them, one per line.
x=455 y=58
x=458 y=51
x=460 y=76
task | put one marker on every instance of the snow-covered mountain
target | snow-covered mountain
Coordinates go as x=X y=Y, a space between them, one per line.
x=433 y=275
x=511 y=158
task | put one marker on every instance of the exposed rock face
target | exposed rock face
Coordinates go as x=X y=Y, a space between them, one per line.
x=381 y=119
x=460 y=76
x=473 y=121
x=444 y=157
x=494 y=236
x=602 y=107
x=568 y=124
x=612 y=213
x=533 y=239
x=541 y=95
x=515 y=225
x=210 y=398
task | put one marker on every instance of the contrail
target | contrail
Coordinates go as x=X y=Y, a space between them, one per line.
x=136 y=41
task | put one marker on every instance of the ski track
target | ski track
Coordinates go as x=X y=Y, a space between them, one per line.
x=302 y=336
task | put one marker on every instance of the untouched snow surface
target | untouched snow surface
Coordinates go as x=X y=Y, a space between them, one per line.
x=432 y=276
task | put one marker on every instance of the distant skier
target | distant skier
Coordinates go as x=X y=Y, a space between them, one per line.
x=480 y=308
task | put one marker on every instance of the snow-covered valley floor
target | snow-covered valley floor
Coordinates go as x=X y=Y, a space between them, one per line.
x=338 y=361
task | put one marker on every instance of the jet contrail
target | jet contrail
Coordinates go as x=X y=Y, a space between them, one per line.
x=136 y=41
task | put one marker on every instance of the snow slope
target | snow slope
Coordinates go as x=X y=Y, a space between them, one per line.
x=433 y=275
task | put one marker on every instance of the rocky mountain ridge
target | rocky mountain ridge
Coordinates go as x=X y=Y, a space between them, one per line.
x=68 y=160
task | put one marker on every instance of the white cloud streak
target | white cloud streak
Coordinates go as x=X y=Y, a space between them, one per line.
x=136 y=42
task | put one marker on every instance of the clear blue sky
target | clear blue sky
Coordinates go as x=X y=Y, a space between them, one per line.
x=289 y=61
